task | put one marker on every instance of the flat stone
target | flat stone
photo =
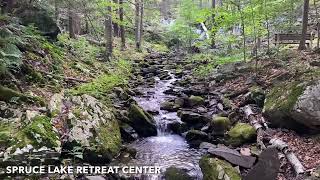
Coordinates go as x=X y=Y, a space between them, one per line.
x=233 y=156
x=267 y=167
x=206 y=145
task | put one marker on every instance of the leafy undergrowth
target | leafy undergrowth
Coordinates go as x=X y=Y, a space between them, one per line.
x=41 y=67
x=102 y=85
x=208 y=62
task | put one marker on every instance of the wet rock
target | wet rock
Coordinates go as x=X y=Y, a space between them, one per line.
x=192 y=118
x=142 y=121
x=128 y=134
x=220 y=125
x=168 y=106
x=207 y=146
x=177 y=127
x=233 y=156
x=179 y=102
x=216 y=169
x=121 y=93
x=195 y=101
x=241 y=133
x=173 y=173
x=196 y=137
x=267 y=167
x=294 y=105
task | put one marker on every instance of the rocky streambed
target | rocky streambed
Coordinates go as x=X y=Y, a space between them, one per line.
x=192 y=127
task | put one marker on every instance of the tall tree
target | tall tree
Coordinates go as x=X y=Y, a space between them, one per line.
x=122 y=31
x=213 y=41
x=116 y=27
x=302 y=44
x=137 y=25
x=71 y=20
x=108 y=33
x=141 y=21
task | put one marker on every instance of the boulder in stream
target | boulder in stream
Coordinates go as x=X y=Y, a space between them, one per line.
x=196 y=137
x=192 y=118
x=241 y=133
x=195 y=101
x=220 y=125
x=142 y=121
x=168 y=106
x=173 y=173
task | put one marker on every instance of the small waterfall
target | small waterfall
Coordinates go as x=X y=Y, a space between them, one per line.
x=165 y=149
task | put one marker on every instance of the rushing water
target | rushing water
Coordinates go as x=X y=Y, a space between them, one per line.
x=165 y=149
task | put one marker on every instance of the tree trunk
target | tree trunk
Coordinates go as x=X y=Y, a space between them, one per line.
x=213 y=39
x=108 y=34
x=116 y=28
x=70 y=14
x=122 y=32
x=302 y=44
x=56 y=10
x=318 y=25
x=141 y=22
x=137 y=25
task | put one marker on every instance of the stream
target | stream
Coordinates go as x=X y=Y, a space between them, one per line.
x=165 y=149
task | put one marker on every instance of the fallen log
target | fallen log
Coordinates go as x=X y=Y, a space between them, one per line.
x=292 y=158
x=279 y=144
x=256 y=124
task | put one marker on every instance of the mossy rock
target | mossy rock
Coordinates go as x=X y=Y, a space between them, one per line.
x=241 y=133
x=216 y=169
x=173 y=173
x=220 y=125
x=168 y=106
x=293 y=105
x=110 y=138
x=195 y=101
x=38 y=133
x=142 y=121
x=6 y=132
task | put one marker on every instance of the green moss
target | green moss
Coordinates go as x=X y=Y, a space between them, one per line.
x=196 y=100
x=240 y=134
x=213 y=169
x=39 y=133
x=100 y=87
x=110 y=138
x=137 y=113
x=6 y=131
x=284 y=97
x=220 y=124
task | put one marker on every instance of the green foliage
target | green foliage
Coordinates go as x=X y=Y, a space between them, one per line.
x=102 y=85
x=80 y=47
x=208 y=62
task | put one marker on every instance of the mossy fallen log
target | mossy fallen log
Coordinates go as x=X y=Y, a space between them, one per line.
x=8 y=95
